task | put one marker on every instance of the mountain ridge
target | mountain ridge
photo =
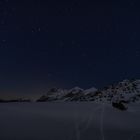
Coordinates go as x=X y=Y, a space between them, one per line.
x=119 y=94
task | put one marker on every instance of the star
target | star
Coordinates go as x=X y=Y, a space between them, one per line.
x=3 y=40
x=73 y=42
x=50 y=75
x=33 y=30
x=84 y=54
x=137 y=53
x=36 y=30
x=61 y=43
x=39 y=29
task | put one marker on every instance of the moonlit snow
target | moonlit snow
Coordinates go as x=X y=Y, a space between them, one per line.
x=68 y=121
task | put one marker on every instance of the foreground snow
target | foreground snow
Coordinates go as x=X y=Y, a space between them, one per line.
x=68 y=121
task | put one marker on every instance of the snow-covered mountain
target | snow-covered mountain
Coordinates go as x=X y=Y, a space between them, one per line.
x=125 y=91
x=119 y=94
x=74 y=94
x=53 y=94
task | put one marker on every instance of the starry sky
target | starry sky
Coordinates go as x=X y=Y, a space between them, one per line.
x=64 y=44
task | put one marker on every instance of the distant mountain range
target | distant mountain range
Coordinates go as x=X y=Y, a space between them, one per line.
x=119 y=95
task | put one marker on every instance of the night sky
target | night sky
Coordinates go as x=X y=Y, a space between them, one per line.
x=60 y=43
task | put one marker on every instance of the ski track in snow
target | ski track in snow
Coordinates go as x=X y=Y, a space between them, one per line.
x=80 y=124
x=102 y=122
x=83 y=122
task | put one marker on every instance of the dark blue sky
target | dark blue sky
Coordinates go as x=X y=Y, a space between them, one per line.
x=67 y=43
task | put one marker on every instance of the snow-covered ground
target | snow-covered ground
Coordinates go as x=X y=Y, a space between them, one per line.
x=68 y=121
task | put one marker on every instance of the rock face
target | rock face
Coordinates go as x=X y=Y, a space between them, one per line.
x=119 y=95
x=119 y=105
x=126 y=91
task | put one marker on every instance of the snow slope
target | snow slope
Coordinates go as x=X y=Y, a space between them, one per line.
x=111 y=113
x=68 y=121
